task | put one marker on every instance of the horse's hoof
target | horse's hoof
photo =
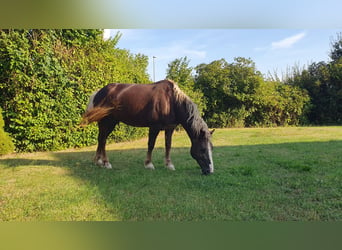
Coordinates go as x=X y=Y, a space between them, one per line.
x=107 y=165
x=102 y=164
x=170 y=166
x=149 y=166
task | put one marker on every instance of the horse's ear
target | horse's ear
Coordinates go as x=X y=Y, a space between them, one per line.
x=212 y=131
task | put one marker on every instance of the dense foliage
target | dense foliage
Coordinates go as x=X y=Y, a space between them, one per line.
x=179 y=71
x=323 y=82
x=236 y=95
x=6 y=144
x=46 y=78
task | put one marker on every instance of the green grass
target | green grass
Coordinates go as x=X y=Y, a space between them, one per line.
x=271 y=174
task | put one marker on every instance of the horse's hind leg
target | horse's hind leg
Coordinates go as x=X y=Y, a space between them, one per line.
x=168 y=140
x=106 y=126
x=152 y=136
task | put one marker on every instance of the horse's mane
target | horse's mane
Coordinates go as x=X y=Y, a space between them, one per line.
x=197 y=123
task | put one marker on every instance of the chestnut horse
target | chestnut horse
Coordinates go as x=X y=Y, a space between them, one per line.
x=159 y=106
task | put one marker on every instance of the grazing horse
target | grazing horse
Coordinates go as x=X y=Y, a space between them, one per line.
x=159 y=106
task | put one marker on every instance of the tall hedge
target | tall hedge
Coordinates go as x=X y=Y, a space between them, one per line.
x=6 y=144
x=47 y=77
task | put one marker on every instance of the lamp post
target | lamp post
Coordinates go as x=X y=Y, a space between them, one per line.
x=154 y=70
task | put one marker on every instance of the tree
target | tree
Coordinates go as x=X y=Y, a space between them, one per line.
x=212 y=80
x=237 y=96
x=323 y=82
x=228 y=89
x=180 y=72
x=336 y=48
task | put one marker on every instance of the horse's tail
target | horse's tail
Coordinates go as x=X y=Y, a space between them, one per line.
x=95 y=114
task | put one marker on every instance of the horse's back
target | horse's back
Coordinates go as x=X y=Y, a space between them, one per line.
x=139 y=104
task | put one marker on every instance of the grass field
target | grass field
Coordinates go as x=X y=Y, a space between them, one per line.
x=271 y=174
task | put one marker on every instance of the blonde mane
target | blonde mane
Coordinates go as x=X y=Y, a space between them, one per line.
x=197 y=123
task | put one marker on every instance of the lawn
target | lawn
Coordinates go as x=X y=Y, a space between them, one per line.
x=261 y=174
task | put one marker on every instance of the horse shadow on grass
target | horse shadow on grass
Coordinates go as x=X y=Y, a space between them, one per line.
x=140 y=194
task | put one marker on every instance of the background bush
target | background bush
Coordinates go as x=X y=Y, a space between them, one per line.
x=6 y=144
x=323 y=83
x=237 y=95
x=47 y=77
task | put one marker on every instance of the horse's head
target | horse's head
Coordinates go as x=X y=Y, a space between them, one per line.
x=201 y=151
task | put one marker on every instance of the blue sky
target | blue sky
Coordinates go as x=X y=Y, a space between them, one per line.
x=273 y=50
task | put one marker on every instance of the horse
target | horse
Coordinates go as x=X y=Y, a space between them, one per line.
x=159 y=106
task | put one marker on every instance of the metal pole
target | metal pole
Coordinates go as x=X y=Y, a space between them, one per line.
x=154 y=70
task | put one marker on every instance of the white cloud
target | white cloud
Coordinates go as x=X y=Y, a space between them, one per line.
x=196 y=53
x=173 y=51
x=288 y=42
x=176 y=51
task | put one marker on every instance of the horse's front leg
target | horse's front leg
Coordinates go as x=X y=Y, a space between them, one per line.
x=106 y=126
x=152 y=136
x=168 y=141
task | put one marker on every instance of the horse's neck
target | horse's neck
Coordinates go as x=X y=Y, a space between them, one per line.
x=190 y=119
x=188 y=124
x=190 y=131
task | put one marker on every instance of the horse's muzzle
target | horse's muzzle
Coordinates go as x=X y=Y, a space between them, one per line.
x=206 y=172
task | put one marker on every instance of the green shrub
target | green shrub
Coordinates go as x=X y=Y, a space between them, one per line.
x=46 y=79
x=6 y=144
x=237 y=95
